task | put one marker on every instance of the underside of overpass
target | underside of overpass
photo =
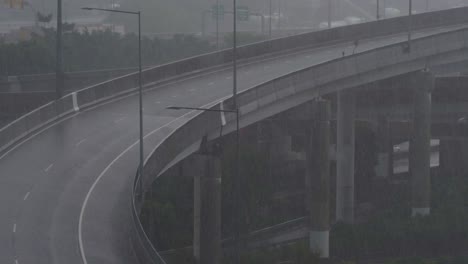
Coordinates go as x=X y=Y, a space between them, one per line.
x=388 y=108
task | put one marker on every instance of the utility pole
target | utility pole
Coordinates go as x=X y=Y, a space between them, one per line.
x=279 y=14
x=217 y=24
x=59 y=53
x=329 y=13
x=271 y=14
x=410 y=22
x=378 y=10
x=237 y=239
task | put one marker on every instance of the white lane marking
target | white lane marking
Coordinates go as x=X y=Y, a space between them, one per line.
x=157 y=102
x=75 y=102
x=48 y=168
x=192 y=90
x=229 y=78
x=223 y=117
x=14 y=228
x=211 y=84
x=98 y=179
x=174 y=96
x=16 y=261
x=81 y=142
x=26 y=196
x=120 y=119
x=88 y=195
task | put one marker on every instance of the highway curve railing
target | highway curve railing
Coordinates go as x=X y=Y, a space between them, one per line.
x=296 y=88
x=31 y=122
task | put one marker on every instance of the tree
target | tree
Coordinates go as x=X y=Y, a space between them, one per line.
x=43 y=18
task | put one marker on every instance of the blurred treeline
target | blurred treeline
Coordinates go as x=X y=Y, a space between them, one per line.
x=93 y=51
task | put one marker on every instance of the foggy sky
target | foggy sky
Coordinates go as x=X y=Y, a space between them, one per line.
x=185 y=15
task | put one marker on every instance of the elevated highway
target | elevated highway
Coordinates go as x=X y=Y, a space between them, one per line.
x=68 y=168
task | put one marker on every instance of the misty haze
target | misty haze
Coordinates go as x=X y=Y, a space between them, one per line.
x=234 y=131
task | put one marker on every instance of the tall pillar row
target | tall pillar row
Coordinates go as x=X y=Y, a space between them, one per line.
x=420 y=144
x=345 y=157
x=318 y=177
x=207 y=205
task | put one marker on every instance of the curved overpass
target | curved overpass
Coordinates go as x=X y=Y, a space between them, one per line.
x=68 y=168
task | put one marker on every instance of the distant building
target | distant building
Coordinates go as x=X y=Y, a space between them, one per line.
x=120 y=29
x=14 y=3
x=22 y=34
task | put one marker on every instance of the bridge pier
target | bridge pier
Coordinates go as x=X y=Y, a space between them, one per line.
x=345 y=157
x=420 y=151
x=453 y=154
x=207 y=205
x=384 y=167
x=318 y=177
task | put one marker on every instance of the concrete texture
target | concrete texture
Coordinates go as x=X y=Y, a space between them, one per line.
x=318 y=177
x=345 y=191
x=420 y=144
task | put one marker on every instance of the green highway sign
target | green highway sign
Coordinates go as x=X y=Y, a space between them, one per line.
x=218 y=12
x=243 y=13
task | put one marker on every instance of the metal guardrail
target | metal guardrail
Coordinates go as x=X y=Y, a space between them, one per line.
x=46 y=82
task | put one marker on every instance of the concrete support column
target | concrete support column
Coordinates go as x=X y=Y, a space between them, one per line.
x=318 y=178
x=207 y=207
x=423 y=83
x=384 y=167
x=453 y=154
x=345 y=157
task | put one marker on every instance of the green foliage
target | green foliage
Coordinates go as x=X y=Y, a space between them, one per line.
x=257 y=187
x=168 y=214
x=93 y=50
x=297 y=253
x=43 y=18
x=392 y=233
x=440 y=260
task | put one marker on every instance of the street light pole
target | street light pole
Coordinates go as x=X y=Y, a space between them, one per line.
x=378 y=10
x=217 y=24
x=140 y=94
x=234 y=51
x=279 y=14
x=269 y=21
x=140 y=76
x=410 y=22
x=236 y=108
x=59 y=82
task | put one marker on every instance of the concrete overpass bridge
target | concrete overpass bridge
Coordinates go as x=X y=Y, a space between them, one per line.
x=68 y=167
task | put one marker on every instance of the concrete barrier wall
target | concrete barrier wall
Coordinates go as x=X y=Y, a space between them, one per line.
x=33 y=121
x=294 y=89
x=116 y=87
x=46 y=82
x=14 y=105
